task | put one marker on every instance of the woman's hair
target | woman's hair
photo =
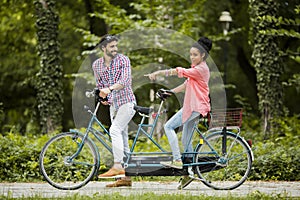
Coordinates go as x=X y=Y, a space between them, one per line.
x=204 y=45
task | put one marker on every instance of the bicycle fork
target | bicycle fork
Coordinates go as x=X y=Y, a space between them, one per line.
x=223 y=159
x=69 y=159
x=225 y=151
x=224 y=139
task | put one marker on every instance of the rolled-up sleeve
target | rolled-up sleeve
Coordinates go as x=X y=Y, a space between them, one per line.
x=96 y=68
x=187 y=73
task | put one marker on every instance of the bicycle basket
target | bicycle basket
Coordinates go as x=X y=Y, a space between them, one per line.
x=230 y=117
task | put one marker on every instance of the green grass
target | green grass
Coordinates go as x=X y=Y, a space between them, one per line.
x=151 y=196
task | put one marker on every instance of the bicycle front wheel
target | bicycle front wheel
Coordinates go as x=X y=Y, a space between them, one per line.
x=223 y=172
x=58 y=166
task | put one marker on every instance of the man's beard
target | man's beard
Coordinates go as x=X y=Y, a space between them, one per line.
x=110 y=54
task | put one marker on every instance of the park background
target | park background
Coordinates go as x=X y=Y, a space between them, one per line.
x=44 y=43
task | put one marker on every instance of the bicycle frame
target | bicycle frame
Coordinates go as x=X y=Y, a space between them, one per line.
x=105 y=134
x=141 y=130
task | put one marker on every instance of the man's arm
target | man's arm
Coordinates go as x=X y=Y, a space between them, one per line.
x=96 y=69
x=124 y=80
x=105 y=91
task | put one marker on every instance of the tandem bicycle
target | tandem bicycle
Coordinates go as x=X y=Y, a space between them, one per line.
x=221 y=158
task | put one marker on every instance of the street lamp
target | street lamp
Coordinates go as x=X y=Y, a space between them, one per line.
x=225 y=20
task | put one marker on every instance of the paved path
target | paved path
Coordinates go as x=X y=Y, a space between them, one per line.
x=291 y=189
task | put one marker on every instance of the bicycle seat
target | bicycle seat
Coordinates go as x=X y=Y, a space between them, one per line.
x=143 y=110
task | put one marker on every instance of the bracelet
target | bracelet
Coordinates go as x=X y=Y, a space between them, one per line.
x=167 y=72
x=171 y=72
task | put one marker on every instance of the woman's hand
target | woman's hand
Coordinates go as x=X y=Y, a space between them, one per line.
x=167 y=72
x=152 y=76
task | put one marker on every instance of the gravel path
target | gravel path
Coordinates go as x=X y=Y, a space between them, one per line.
x=291 y=189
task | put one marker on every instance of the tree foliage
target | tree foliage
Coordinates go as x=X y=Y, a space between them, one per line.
x=20 y=63
x=142 y=16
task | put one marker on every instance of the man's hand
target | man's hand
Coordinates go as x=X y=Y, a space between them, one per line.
x=104 y=92
x=104 y=103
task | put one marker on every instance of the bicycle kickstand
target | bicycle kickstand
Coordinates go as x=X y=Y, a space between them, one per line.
x=191 y=174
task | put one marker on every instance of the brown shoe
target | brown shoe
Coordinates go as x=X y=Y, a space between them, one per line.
x=113 y=173
x=120 y=183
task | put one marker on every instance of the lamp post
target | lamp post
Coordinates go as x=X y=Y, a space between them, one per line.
x=225 y=20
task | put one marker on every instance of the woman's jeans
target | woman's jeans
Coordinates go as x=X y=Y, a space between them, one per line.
x=174 y=122
x=119 y=129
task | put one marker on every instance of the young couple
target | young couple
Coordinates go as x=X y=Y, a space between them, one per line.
x=113 y=77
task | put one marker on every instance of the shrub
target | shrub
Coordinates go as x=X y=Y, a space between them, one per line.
x=279 y=157
x=276 y=159
x=19 y=157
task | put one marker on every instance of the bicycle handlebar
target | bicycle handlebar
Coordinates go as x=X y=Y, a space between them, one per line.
x=89 y=94
x=163 y=94
x=95 y=93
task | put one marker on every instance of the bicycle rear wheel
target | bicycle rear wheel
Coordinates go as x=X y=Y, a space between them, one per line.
x=223 y=172
x=62 y=172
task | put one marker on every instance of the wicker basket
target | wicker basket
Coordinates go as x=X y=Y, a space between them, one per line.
x=231 y=117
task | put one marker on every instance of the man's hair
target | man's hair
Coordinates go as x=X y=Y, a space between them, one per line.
x=107 y=39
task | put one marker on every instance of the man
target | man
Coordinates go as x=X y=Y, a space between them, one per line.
x=113 y=78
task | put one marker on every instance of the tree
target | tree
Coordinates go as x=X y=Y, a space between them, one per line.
x=286 y=30
x=267 y=64
x=49 y=78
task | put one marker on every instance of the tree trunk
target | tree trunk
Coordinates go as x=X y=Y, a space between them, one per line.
x=49 y=78
x=267 y=64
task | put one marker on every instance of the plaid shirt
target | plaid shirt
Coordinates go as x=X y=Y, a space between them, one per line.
x=119 y=72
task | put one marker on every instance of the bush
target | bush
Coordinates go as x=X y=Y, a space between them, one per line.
x=276 y=159
x=19 y=157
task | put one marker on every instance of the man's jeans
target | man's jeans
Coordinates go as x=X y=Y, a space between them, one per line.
x=119 y=129
x=174 y=122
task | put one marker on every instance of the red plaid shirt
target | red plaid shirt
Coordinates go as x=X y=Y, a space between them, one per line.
x=119 y=72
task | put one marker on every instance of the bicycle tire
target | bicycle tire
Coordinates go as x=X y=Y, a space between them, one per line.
x=63 y=174
x=223 y=173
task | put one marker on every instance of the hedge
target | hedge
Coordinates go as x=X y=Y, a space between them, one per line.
x=277 y=159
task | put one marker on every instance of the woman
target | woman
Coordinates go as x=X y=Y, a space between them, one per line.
x=196 y=99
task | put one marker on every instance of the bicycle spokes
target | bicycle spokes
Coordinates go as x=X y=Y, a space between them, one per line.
x=226 y=171
x=65 y=166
